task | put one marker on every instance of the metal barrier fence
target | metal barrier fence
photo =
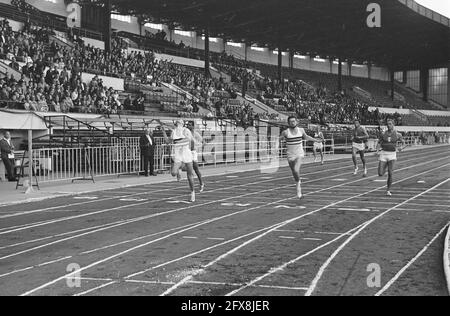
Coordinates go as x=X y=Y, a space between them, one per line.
x=219 y=148
x=86 y=163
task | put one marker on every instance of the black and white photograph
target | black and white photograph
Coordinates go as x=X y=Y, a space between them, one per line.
x=225 y=153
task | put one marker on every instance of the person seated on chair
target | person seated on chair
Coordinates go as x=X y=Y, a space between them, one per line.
x=7 y=155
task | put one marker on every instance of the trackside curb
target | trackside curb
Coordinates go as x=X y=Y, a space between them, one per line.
x=447 y=257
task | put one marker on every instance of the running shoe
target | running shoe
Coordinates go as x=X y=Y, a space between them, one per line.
x=365 y=173
x=388 y=193
x=356 y=171
x=192 y=200
x=202 y=188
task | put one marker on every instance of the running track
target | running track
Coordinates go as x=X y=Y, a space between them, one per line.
x=246 y=235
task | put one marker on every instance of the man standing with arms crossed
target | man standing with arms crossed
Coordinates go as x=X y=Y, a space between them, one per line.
x=7 y=154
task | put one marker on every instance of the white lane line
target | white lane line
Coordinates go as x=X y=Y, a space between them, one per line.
x=312 y=239
x=189 y=237
x=209 y=221
x=329 y=233
x=90 y=279
x=337 y=162
x=282 y=287
x=286 y=264
x=282 y=224
x=53 y=261
x=15 y=271
x=322 y=269
x=286 y=237
x=129 y=221
x=411 y=262
x=35 y=266
x=303 y=231
x=354 y=209
x=159 y=200
x=134 y=187
x=137 y=238
x=95 y=288
x=197 y=252
x=277 y=287
x=150 y=282
x=54 y=236
x=439 y=211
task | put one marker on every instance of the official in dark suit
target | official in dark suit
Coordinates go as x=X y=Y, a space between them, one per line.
x=7 y=154
x=147 y=144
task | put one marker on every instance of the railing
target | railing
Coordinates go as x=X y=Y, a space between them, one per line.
x=219 y=148
x=56 y=164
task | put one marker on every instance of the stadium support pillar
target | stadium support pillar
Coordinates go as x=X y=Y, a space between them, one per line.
x=369 y=70
x=107 y=29
x=207 y=53
x=405 y=76
x=392 y=75
x=291 y=59
x=340 y=75
x=280 y=65
x=349 y=65
x=30 y=164
x=424 y=83
x=245 y=51
x=448 y=87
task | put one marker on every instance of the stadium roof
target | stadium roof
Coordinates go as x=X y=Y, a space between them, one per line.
x=410 y=35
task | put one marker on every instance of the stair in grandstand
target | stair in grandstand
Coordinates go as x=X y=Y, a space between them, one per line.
x=259 y=107
x=61 y=39
x=217 y=74
x=414 y=98
x=7 y=71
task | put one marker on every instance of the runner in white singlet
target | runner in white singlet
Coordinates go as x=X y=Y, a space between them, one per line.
x=180 y=139
x=196 y=145
x=318 y=146
x=294 y=137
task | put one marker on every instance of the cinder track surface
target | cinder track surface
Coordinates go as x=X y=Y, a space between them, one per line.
x=246 y=235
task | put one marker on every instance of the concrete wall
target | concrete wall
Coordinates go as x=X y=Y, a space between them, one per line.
x=58 y=8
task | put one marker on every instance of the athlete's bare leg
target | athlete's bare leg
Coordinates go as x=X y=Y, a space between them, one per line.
x=176 y=166
x=199 y=175
x=382 y=167
x=190 y=177
x=391 y=165
x=355 y=161
x=363 y=159
x=295 y=167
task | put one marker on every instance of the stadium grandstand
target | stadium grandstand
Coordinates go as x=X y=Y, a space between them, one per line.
x=81 y=80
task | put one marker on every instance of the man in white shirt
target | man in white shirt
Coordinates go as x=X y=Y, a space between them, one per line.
x=7 y=155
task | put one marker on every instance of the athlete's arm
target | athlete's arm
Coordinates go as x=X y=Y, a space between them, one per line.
x=321 y=137
x=365 y=136
x=380 y=140
x=167 y=140
x=312 y=139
